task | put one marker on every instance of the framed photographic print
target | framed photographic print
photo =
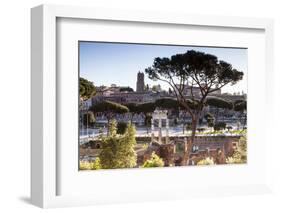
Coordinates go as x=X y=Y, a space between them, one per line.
x=129 y=106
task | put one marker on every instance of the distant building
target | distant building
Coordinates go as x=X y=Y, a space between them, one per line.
x=143 y=94
x=140 y=82
x=195 y=91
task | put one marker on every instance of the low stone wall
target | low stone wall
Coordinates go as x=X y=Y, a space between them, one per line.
x=225 y=143
x=218 y=147
x=203 y=142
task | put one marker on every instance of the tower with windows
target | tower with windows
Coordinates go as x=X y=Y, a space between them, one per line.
x=140 y=82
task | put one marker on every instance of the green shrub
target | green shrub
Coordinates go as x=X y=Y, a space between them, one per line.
x=121 y=128
x=229 y=128
x=85 y=165
x=118 y=150
x=201 y=129
x=240 y=154
x=220 y=126
x=210 y=119
x=188 y=127
x=176 y=121
x=89 y=119
x=154 y=161
x=206 y=161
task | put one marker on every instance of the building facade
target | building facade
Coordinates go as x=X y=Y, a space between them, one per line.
x=115 y=93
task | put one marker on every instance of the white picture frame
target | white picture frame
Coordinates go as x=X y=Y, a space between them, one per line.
x=45 y=171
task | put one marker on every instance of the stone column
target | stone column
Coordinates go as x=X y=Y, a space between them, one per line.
x=152 y=130
x=160 y=131
x=185 y=144
x=167 y=130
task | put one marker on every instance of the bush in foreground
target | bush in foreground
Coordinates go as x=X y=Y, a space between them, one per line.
x=118 y=150
x=206 y=161
x=240 y=154
x=95 y=165
x=154 y=161
x=121 y=128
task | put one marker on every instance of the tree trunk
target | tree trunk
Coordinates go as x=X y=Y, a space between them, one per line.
x=194 y=126
x=190 y=143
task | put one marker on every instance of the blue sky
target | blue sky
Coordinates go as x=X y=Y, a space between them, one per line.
x=118 y=63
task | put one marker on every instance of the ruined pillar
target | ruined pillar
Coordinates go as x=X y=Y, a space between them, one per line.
x=152 y=130
x=160 y=131
x=167 y=130
x=185 y=144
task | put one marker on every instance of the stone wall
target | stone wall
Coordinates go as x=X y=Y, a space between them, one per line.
x=217 y=147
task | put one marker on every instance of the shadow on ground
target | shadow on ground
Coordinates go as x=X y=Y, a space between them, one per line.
x=26 y=200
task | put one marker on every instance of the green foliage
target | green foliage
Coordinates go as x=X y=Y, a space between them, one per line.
x=156 y=88
x=147 y=107
x=207 y=72
x=145 y=146
x=240 y=154
x=85 y=165
x=240 y=106
x=121 y=127
x=194 y=63
x=126 y=89
x=118 y=150
x=220 y=126
x=147 y=120
x=201 y=129
x=167 y=103
x=235 y=158
x=229 y=128
x=109 y=107
x=192 y=104
x=210 y=119
x=208 y=115
x=238 y=101
x=154 y=161
x=176 y=121
x=101 y=133
x=219 y=103
x=206 y=161
x=89 y=118
x=96 y=164
x=216 y=132
x=219 y=132
x=243 y=144
x=200 y=121
x=188 y=126
x=133 y=107
x=239 y=132
x=112 y=128
x=86 y=88
x=179 y=148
